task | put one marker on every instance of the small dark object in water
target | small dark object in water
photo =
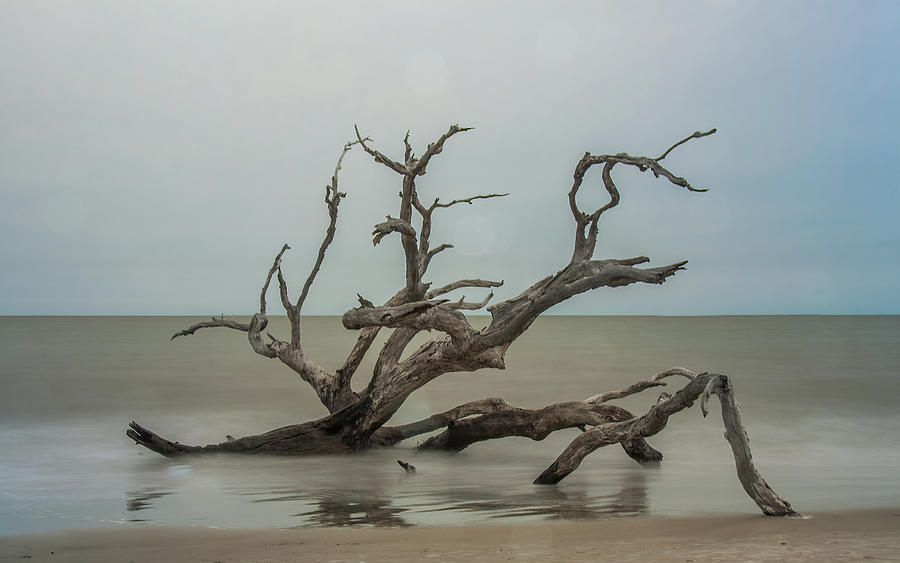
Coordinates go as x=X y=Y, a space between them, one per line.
x=409 y=468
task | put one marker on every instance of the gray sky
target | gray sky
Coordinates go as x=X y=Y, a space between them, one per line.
x=154 y=156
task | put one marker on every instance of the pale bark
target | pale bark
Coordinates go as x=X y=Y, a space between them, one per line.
x=358 y=420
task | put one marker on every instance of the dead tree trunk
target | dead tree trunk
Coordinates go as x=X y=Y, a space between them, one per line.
x=357 y=421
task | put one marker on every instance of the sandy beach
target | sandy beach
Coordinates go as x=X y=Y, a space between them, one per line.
x=838 y=536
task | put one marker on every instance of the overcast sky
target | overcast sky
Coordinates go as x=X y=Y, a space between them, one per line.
x=154 y=156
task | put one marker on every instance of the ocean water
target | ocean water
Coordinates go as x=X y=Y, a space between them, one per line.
x=819 y=397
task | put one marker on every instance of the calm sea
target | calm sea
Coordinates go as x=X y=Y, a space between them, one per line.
x=820 y=399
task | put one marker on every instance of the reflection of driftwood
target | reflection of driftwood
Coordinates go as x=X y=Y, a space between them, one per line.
x=142 y=500
x=356 y=420
x=363 y=510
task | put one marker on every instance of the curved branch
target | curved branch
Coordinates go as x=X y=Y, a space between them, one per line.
x=468 y=305
x=585 y=242
x=435 y=148
x=694 y=135
x=276 y=264
x=392 y=225
x=449 y=418
x=536 y=424
x=655 y=420
x=654 y=381
x=462 y=283
x=213 y=323
x=332 y=199
x=512 y=317
x=380 y=158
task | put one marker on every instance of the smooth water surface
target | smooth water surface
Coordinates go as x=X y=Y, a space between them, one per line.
x=819 y=398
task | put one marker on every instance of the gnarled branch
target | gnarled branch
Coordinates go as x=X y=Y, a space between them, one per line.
x=435 y=148
x=470 y=305
x=655 y=420
x=639 y=386
x=586 y=241
x=333 y=199
x=460 y=284
x=276 y=265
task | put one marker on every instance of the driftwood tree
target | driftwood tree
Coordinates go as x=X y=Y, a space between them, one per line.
x=358 y=421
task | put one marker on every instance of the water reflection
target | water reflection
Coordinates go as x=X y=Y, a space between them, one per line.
x=142 y=500
x=339 y=509
x=378 y=507
x=557 y=503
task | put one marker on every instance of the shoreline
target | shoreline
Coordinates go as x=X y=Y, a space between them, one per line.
x=871 y=534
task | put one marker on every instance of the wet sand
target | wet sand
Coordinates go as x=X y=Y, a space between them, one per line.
x=837 y=536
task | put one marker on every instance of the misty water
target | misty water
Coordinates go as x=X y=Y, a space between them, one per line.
x=819 y=398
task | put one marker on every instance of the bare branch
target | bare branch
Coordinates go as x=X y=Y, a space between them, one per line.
x=468 y=200
x=639 y=386
x=333 y=199
x=585 y=242
x=426 y=259
x=694 y=135
x=513 y=316
x=655 y=420
x=408 y=152
x=275 y=266
x=471 y=306
x=462 y=283
x=213 y=323
x=392 y=225
x=380 y=158
x=436 y=148
x=283 y=293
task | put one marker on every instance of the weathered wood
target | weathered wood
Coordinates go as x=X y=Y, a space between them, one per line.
x=639 y=386
x=655 y=420
x=358 y=420
x=536 y=424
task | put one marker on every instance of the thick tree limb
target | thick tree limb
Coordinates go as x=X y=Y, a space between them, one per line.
x=655 y=420
x=753 y=483
x=392 y=225
x=536 y=424
x=512 y=317
x=418 y=315
x=460 y=284
x=450 y=417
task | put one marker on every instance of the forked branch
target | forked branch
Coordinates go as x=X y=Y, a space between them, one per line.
x=586 y=224
x=656 y=419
